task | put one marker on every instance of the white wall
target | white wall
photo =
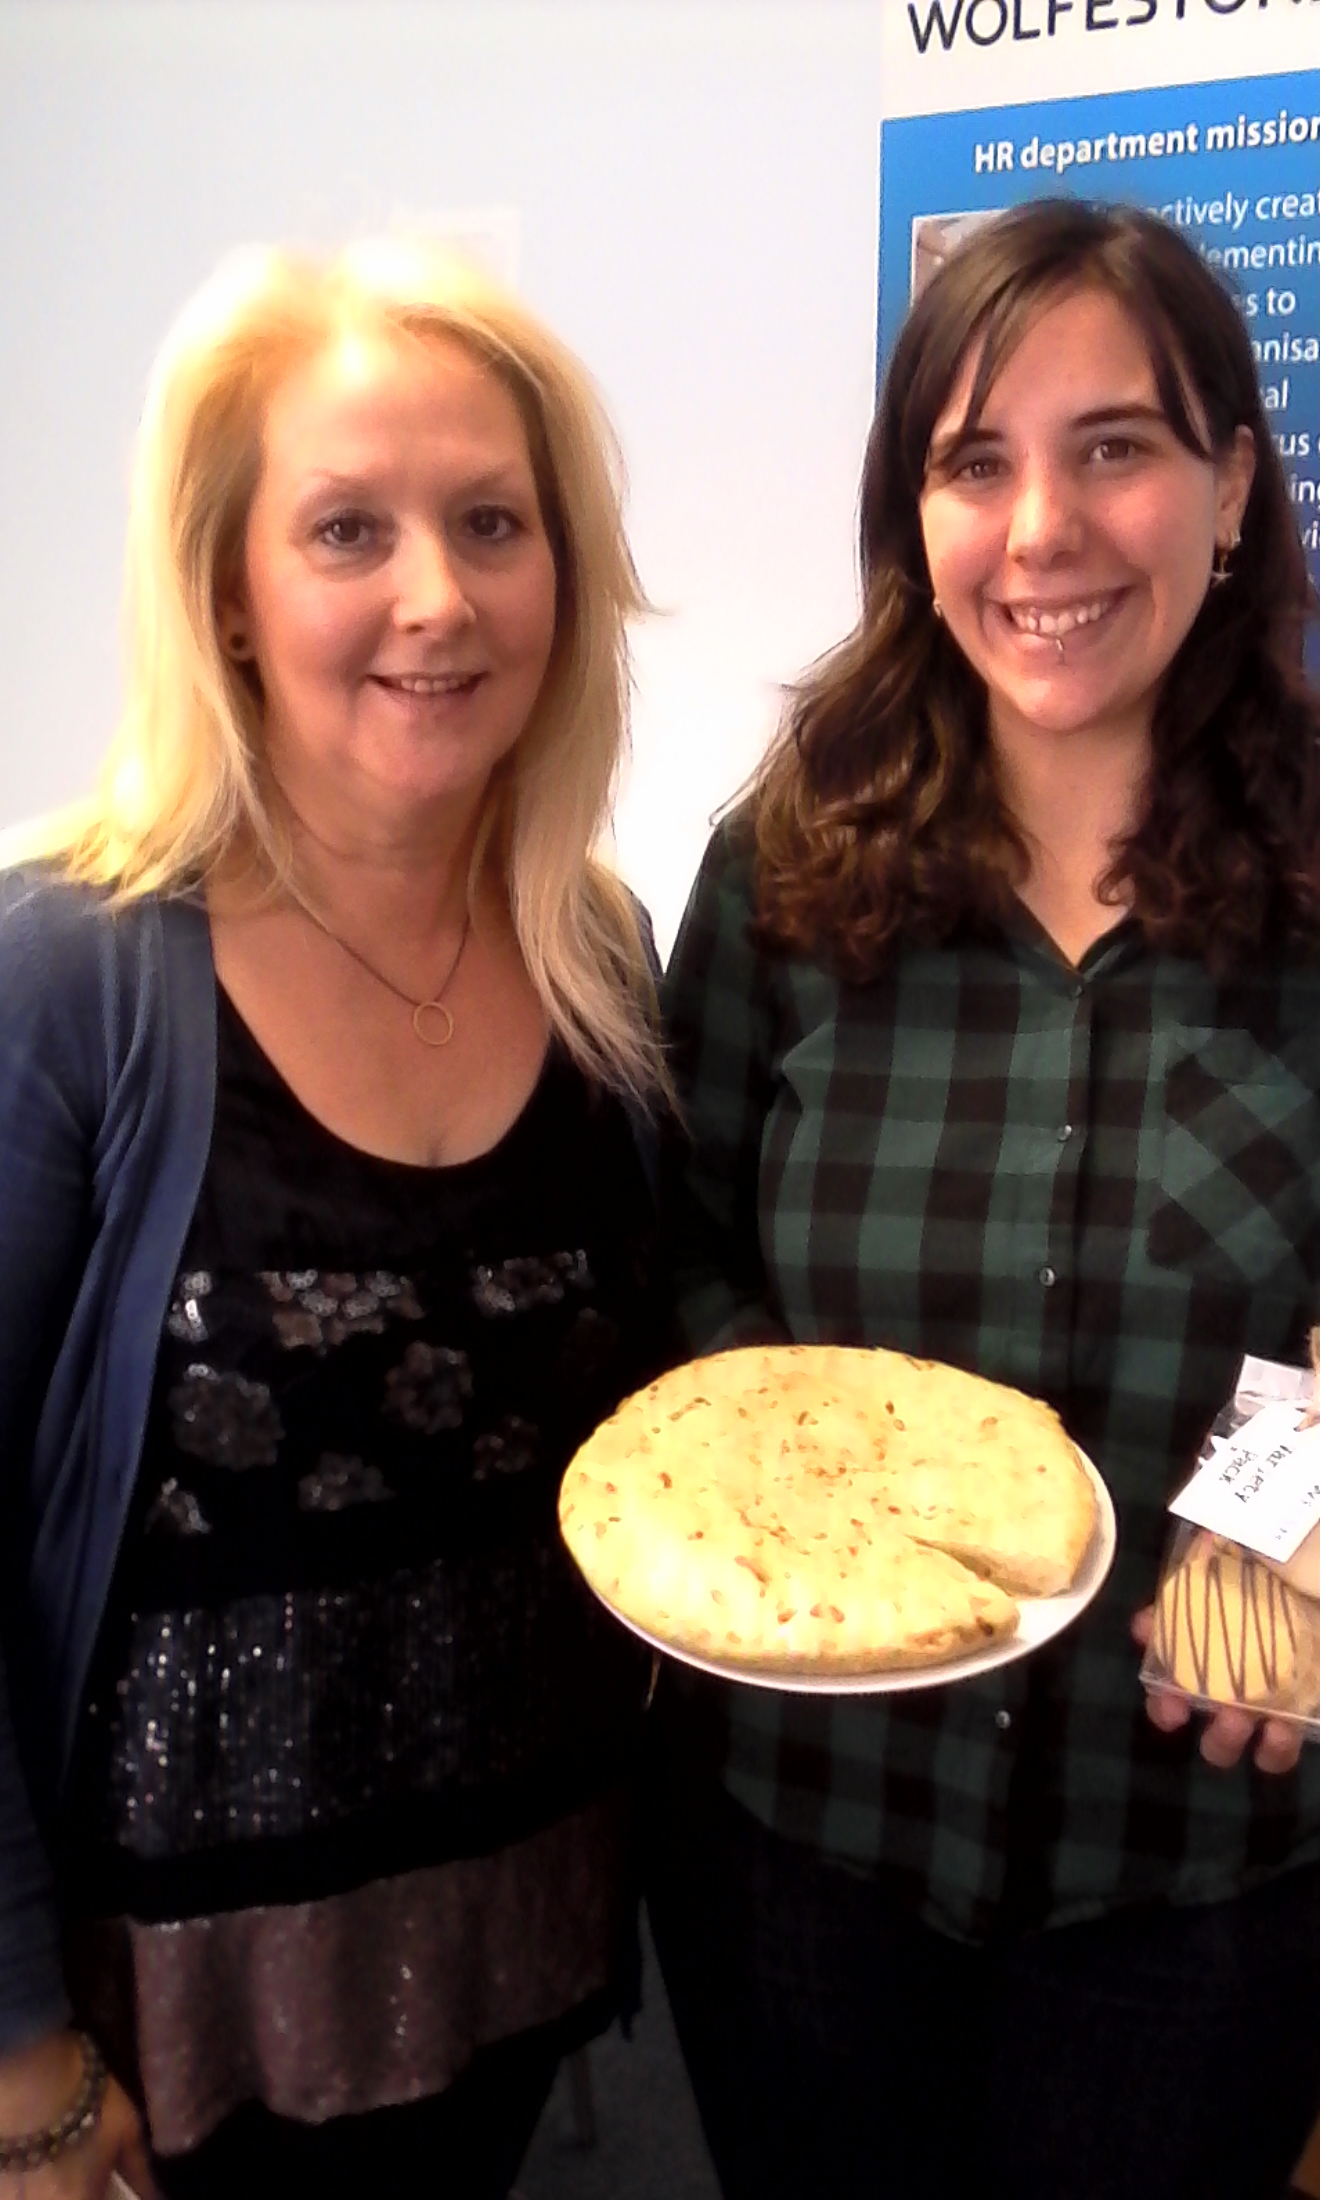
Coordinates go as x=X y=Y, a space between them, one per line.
x=695 y=183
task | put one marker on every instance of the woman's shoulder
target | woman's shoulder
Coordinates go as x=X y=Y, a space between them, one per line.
x=63 y=943
x=730 y=855
x=51 y=928
x=41 y=904
x=722 y=902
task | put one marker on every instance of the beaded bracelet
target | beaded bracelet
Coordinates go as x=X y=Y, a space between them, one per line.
x=36 y=2148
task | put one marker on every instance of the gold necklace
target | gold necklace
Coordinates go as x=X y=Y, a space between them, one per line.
x=433 y=1004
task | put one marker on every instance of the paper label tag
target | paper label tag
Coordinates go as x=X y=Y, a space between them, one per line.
x=1260 y=1380
x=1260 y=1486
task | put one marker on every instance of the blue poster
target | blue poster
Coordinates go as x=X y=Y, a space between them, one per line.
x=1234 y=164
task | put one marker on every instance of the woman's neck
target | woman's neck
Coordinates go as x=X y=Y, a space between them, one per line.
x=368 y=880
x=1075 y=797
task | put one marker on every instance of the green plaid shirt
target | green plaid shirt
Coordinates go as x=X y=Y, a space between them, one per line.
x=1100 y=1184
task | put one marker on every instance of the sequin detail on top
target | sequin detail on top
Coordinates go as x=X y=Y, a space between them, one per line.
x=225 y=1419
x=176 y=1510
x=429 y=1389
x=287 y=1712
x=343 y=1638
x=373 y=1997
x=338 y=1483
x=512 y=1448
x=517 y=1285
x=187 y=1315
x=317 y=1310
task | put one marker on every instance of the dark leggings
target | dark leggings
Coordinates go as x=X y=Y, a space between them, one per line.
x=839 y=2047
x=465 y=2143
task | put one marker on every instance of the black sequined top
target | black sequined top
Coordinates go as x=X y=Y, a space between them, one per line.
x=343 y=1639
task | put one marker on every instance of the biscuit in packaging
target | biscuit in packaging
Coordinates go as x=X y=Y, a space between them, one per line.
x=1237 y=1611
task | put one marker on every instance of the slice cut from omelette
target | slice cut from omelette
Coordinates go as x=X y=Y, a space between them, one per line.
x=826 y=1510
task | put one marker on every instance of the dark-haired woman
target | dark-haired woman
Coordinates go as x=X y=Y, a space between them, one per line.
x=997 y=1008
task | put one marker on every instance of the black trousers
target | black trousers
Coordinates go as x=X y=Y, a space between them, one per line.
x=463 y=2144
x=838 y=2047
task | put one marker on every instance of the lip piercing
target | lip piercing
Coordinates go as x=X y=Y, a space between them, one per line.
x=1058 y=643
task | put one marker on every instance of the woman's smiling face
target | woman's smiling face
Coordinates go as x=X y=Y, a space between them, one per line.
x=398 y=592
x=1072 y=515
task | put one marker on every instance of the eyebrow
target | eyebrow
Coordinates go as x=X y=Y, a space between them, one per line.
x=945 y=447
x=493 y=480
x=1104 y=414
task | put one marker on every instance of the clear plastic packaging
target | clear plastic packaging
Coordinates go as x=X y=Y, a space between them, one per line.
x=1233 y=1626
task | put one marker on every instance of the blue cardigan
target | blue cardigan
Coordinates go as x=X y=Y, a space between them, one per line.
x=107 y=1098
x=107 y=1093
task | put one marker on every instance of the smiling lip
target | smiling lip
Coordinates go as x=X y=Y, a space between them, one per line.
x=1056 y=620
x=427 y=683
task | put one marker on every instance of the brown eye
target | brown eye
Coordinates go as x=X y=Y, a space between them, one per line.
x=1111 y=450
x=972 y=469
x=493 y=523
x=347 y=531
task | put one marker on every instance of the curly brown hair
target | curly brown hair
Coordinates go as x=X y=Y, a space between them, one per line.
x=876 y=812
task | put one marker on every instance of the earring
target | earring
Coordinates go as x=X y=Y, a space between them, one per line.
x=235 y=644
x=1220 y=571
x=937 y=607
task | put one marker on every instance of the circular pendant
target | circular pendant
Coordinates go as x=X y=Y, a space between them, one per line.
x=433 y=1035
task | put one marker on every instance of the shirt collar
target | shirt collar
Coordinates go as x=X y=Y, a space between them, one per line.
x=1027 y=938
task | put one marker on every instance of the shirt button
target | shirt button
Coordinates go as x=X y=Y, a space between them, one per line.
x=1046 y=1276
x=1003 y=1720
x=1064 y=1133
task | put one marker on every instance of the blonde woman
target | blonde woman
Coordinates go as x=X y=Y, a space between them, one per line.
x=326 y=1075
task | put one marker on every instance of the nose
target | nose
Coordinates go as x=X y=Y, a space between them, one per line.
x=1045 y=520
x=430 y=588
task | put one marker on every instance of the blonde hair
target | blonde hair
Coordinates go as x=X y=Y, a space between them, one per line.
x=181 y=785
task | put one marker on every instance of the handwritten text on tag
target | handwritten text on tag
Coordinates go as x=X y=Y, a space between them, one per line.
x=1260 y=1486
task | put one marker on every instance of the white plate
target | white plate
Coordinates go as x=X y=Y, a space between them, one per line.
x=1042 y=1619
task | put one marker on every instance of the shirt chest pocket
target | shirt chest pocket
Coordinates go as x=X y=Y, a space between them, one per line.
x=1235 y=1201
